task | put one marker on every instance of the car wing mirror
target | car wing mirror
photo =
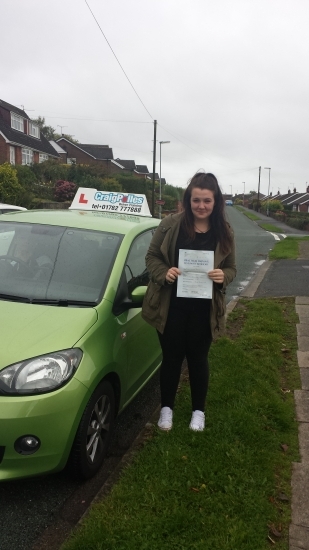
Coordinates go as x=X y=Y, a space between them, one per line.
x=138 y=294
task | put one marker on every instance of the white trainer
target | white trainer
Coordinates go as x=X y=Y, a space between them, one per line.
x=197 y=423
x=165 y=421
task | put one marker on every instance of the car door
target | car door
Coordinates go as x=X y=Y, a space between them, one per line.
x=142 y=343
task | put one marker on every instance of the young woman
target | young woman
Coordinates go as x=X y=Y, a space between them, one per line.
x=187 y=326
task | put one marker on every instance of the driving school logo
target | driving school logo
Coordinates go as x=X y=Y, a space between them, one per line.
x=119 y=198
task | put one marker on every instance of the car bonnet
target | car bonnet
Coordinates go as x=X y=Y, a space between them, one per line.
x=29 y=330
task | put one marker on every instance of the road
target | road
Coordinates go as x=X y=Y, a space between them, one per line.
x=28 y=507
x=252 y=247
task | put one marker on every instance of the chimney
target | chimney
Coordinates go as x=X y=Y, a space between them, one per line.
x=271 y=194
x=294 y=190
x=289 y=191
x=307 y=191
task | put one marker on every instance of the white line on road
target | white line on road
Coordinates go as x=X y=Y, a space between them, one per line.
x=276 y=237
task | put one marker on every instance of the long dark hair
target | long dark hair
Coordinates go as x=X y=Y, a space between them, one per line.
x=217 y=218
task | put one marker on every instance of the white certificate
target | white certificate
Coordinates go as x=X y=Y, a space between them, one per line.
x=194 y=266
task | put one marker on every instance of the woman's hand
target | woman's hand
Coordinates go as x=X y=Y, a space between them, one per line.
x=216 y=275
x=172 y=275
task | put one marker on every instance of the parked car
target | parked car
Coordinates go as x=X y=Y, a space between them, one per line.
x=228 y=202
x=74 y=348
x=5 y=208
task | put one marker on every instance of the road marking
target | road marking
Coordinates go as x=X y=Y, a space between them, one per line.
x=276 y=237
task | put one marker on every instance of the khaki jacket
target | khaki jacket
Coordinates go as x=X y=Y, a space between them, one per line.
x=160 y=257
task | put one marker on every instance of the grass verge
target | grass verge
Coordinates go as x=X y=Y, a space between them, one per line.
x=270 y=227
x=227 y=488
x=251 y=215
x=287 y=249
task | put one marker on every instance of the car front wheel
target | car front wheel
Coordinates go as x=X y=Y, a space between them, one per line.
x=94 y=433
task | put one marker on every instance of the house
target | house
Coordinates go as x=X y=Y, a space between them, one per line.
x=61 y=152
x=127 y=164
x=21 y=141
x=142 y=169
x=156 y=176
x=85 y=153
x=299 y=202
x=136 y=169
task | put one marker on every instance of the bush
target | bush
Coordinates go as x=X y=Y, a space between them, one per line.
x=170 y=202
x=298 y=223
x=131 y=184
x=64 y=190
x=272 y=206
x=11 y=191
x=50 y=171
x=26 y=176
x=111 y=184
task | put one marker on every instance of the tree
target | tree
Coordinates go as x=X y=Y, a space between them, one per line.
x=49 y=132
x=172 y=191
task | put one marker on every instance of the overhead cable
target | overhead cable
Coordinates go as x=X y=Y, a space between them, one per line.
x=118 y=60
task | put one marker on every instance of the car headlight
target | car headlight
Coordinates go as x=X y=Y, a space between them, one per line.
x=40 y=374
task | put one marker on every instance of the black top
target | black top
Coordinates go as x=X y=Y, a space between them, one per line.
x=202 y=241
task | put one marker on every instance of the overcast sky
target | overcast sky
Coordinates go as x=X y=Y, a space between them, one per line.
x=227 y=81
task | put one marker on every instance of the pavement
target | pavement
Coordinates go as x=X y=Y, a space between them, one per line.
x=286 y=229
x=291 y=278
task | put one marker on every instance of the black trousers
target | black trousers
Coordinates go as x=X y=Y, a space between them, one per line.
x=186 y=334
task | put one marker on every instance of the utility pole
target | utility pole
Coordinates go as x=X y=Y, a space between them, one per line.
x=160 y=196
x=269 y=169
x=258 y=201
x=154 y=167
x=243 y=202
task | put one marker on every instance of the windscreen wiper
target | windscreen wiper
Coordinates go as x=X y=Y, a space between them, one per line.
x=62 y=302
x=13 y=298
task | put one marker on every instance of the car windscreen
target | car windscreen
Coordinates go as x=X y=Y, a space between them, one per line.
x=45 y=262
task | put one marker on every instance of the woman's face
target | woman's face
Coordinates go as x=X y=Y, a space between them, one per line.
x=202 y=203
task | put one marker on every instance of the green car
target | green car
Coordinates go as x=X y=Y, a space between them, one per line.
x=74 y=349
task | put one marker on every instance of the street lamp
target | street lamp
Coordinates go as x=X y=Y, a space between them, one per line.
x=160 y=196
x=244 y=194
x=269 y=169
x=231 y=191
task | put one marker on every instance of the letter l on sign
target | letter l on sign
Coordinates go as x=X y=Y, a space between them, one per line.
x=82 y=198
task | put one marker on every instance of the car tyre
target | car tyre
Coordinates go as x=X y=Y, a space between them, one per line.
x=94 y=433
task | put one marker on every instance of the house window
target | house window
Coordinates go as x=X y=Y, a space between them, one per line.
x=43 y=157
x=294 y=209
x=12 y=154
x=34 y=130
x=27 y=156
x=17 y=122
x=71 y=161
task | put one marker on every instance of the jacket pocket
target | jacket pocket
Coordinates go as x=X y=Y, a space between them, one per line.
x=152 y=296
